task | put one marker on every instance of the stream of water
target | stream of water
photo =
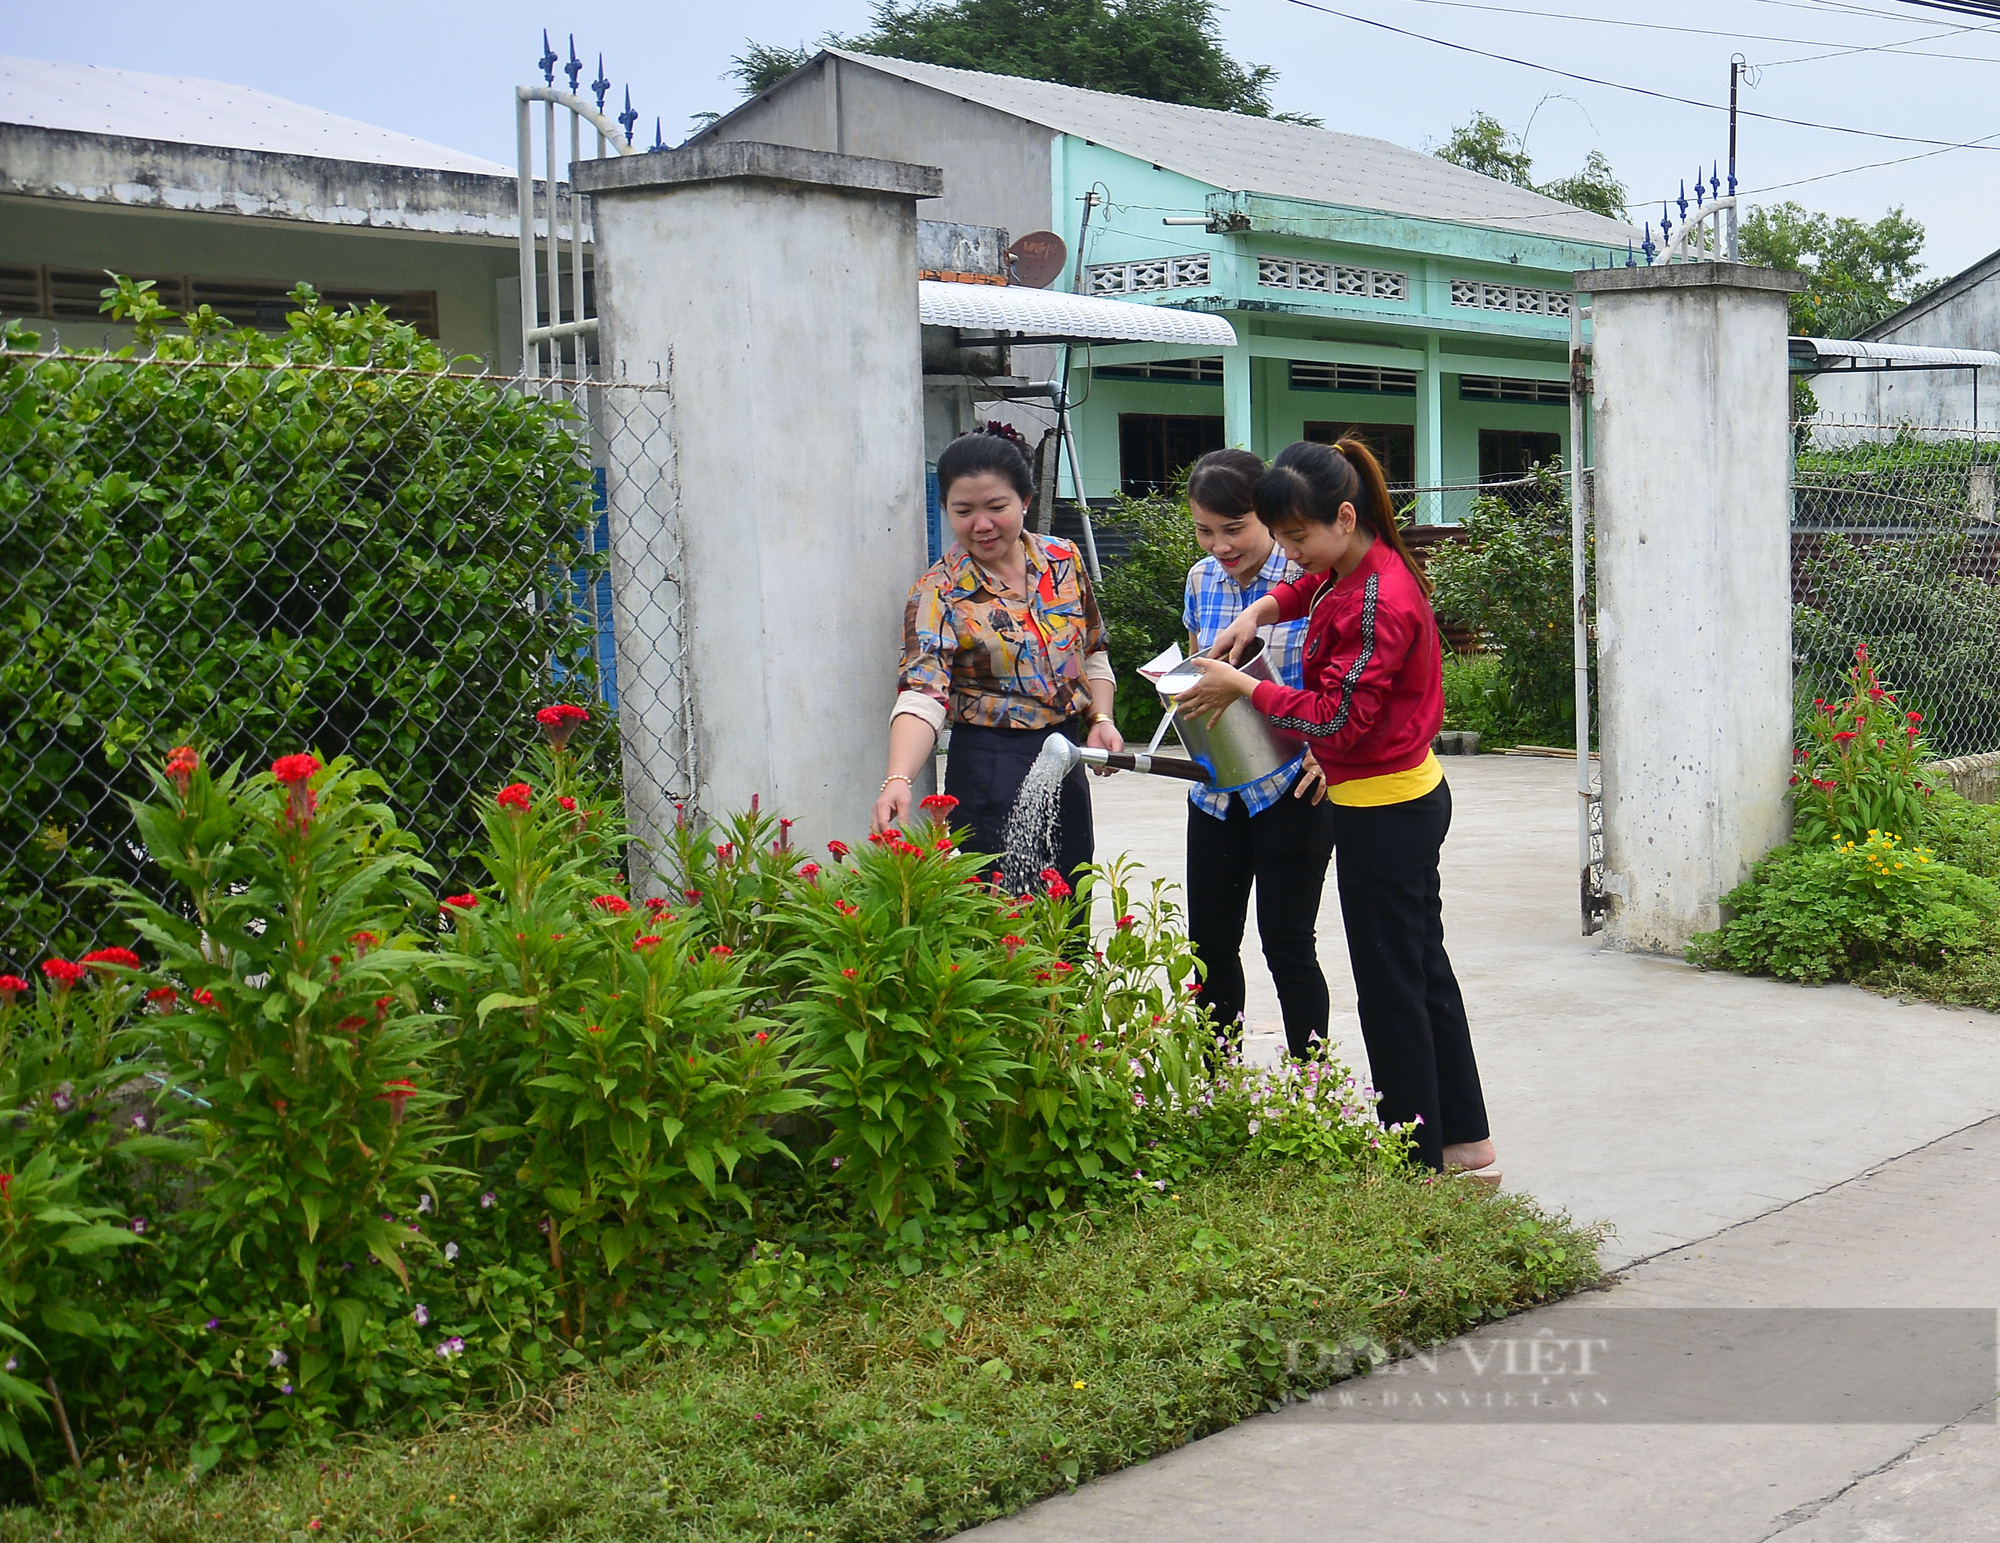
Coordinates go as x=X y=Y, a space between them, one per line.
x=1031 y=826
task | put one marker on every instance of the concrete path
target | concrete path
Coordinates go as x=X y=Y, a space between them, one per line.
x=1753 y=1145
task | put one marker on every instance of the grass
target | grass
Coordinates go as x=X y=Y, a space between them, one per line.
x=912 y=1408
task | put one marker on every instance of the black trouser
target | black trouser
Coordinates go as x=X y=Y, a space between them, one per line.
x=1412 y=1016
x=1285 y=851
x=984 y=769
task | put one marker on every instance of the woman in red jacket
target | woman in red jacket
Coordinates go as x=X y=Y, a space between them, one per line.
x=1373 y=701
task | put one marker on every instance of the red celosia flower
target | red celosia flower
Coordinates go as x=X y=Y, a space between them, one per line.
x=1914 y=717
x=845 y=907
x=123 y=957
x=203 y=997
x=461 y=902
x=63 y=973
x=656 y=903
x=396 y=1092
x=615 y=904
x=762 y=1036
x=849 y=974
x=722 y=950
x=1125 y=921
x=1011 y=942
x=382 y=1007
x=11 y=986
x=595 y=1028
x=566 y=804
x=1041 y=975
x=1063 y=967
x=160 y=996
x=6 y=1183
x=182 y=763
x=559 y=722
x=943 y=801
x=1844 y=736
x=646 y=942
x=808 y=871
x=1877 y=693
x=1083 y=1039
x=352 y=1024
x=363 y=941
x=944 y=843
x=694 y=896
x=514 y=796
x=290 y=769
x=839 y=849
x=725 y=852
x=1059 y=888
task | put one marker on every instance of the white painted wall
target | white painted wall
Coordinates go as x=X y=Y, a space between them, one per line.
x=783 y=282
x=1694 y=587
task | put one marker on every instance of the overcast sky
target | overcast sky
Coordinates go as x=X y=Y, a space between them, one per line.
x=443 y=71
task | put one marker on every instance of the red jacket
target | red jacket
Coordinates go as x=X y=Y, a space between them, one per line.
x=1374 y=693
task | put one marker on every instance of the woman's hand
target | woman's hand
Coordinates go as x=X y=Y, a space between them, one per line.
x=891 y=810
x=1233 y=639
x=1312 y=781
x=1218 y=687
x=1105 y=736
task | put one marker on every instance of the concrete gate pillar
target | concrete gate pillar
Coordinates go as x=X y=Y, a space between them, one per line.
x=1691 y=402
x=778 y=287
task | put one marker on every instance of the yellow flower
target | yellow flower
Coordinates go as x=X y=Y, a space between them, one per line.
x=1077 y=1384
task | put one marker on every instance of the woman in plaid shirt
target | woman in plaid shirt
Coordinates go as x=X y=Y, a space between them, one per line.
x=1275 y=833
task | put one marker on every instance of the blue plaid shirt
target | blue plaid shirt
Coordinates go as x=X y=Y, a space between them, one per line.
x=1214 y=600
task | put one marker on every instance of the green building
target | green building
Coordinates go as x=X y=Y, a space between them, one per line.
x=1369 y=286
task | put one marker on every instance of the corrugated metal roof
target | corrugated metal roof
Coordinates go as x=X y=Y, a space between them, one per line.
x=1052 y=314
x=1261 y=155
x=1815 y=353
x=86 y=99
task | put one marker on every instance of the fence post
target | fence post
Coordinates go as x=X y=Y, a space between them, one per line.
x=1691 y=422
x=784 y=283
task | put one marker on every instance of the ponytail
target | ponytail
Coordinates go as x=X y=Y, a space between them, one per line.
x=1309 y=482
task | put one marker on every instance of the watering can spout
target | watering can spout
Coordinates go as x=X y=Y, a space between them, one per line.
x=1064 y=756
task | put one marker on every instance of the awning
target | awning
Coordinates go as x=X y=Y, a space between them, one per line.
x=1812 y=356
x=1051 y=316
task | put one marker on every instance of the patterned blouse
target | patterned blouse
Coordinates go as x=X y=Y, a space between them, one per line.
x=975 y=654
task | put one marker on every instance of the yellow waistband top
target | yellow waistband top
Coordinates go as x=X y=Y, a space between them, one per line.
x=1392 y=788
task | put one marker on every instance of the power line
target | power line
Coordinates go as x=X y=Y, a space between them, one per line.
x=1659 y=96
x=1746 y=37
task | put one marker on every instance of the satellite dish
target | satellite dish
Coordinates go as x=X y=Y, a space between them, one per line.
x=1037 y=258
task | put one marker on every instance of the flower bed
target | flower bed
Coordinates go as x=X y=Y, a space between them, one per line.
x=325 y=1151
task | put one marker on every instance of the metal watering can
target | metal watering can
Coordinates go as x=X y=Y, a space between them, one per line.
x=1240 y=747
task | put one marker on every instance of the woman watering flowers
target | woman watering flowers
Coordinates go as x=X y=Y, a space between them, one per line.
x=1372 y=703
x=1002 y=640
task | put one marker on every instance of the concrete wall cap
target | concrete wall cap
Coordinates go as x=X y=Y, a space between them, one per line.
x=1600 y=281
x=748 y=160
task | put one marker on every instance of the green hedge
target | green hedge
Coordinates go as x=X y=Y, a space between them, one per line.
x=321 y=538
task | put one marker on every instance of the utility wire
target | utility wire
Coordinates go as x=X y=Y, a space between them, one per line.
x=1660 y=96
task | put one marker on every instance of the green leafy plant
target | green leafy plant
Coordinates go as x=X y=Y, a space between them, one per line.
x=1143 y=594
x=1509 y=580
x=1834 y=911
x=323 y=536
x=1859 y=770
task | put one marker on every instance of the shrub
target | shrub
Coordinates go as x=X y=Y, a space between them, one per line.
x=1143 y=596
x=1838 y=910
x=322 y=537
x=372 y=1156
x=1858 y=769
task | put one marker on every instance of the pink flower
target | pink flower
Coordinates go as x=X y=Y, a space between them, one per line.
x=839 y=849
x=809 y=871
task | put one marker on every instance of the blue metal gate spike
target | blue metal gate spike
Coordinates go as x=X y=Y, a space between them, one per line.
x=1698 y=189
x=628 y=117
x=659 y=140
x=1666 y=225
x=548 y=59
x=1647 y=246
x=601 y=85
x=1715 y=183
x=1684 y=199
x=574 y=69
x=1630 y=260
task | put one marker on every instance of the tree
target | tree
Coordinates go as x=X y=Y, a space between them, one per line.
x=1486 y=146
x=1167 y=50
x=1857 y=272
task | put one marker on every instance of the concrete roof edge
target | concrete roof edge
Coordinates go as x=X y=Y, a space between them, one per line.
x=1599 y=281
x=751 y=160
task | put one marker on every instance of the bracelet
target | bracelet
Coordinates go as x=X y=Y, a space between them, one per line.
x=1097 y=718
x=895 y=777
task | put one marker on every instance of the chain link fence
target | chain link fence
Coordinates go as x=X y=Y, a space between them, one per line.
x=1895 y=545
x=262 y=546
